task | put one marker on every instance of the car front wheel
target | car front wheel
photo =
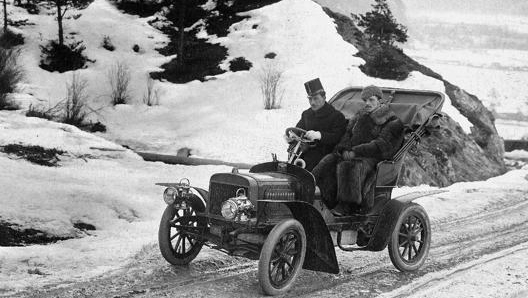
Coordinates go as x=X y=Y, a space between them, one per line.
x=178 y=246
x=282 y=257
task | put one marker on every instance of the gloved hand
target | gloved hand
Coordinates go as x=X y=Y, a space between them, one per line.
x=348 y=155
x=313 y=135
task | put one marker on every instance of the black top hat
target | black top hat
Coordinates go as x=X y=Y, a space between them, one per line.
x=313 y=87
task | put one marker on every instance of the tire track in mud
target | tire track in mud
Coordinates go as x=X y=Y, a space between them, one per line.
x=482 y=234
x=433 y=281
x=363 y=274
x=455 y=241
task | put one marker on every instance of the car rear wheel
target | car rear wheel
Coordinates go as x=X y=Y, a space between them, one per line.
x=177 y=246
x=282 y=257
x=411 y=238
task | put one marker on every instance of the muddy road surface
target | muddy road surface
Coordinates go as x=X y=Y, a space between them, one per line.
x=362 y=274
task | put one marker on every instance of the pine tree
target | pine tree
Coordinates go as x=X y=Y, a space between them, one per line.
x=381 y=26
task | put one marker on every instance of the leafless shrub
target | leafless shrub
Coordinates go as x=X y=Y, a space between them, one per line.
x=119 y=79
x=10 y=75
x=40 y=111
x=152 y=94
x=75 y=107
x=270 y=82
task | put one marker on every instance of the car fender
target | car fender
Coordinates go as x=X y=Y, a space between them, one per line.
x=202 y=194
x=385 y=225
x=320 y=252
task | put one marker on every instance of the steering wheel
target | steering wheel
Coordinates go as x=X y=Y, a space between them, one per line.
x=297 y=134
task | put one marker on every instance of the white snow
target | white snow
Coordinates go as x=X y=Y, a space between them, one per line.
x=517 y=154
x=112 y=190
x=501 y=274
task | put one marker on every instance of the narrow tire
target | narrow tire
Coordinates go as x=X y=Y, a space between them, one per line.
x=177 y=247
x=282 y=257
x=411 y=238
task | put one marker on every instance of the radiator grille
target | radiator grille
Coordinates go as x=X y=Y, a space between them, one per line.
x=218 y=193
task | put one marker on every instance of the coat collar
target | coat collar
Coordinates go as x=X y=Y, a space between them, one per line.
x=381 y=114
x=324 y=111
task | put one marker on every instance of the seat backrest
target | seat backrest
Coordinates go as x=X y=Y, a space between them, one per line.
x=413 y=107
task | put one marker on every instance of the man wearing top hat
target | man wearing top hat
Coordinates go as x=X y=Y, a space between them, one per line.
x=324 y=124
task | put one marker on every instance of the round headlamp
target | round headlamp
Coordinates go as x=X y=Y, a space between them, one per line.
x=169 y=196
x=229 y=209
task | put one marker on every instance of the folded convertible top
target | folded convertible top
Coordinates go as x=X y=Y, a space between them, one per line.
x=413 y=107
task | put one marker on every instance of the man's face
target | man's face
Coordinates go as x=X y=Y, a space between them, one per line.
x=317 y=101
x=371 y=103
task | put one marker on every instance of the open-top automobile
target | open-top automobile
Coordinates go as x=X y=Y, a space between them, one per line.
x=274 y=213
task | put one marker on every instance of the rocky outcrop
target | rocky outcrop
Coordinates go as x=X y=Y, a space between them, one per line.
x=448 y=155
x=483 y=130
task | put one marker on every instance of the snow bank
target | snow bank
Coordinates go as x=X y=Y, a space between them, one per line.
x=111 y=190
x=18 y=129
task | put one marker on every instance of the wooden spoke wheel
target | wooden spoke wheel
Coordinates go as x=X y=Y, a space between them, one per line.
x=282 y=257
x=411 y=238
x=178 y=246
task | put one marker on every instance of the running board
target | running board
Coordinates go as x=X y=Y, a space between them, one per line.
x=418 y=194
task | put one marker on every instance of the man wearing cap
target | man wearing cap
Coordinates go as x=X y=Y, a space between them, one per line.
x=324 y=124
x=374 y=134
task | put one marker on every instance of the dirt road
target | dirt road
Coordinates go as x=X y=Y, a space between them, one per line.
x=362 y=274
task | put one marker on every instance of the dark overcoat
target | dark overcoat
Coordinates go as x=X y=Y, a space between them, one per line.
x=376 y=135
x=372 y=137
x=330 y=123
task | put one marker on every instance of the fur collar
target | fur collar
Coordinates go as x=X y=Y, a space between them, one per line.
x=381 y=114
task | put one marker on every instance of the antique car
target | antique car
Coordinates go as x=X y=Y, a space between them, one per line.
x=274 y=213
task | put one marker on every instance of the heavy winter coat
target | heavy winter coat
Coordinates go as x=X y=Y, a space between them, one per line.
x=372 y=137
x=377 y=135
x=330 y=123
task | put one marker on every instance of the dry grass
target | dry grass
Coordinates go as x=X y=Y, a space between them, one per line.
x=119 y=78
x=10 y=75
x=75 y=105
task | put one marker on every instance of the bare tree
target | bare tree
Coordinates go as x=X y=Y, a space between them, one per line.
x=119 y=78
x=271 y=85
x=5 y=16
x=181 y=29
x=61 y=11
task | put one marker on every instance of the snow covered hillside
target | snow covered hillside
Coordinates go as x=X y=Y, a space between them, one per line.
x=221 y=118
